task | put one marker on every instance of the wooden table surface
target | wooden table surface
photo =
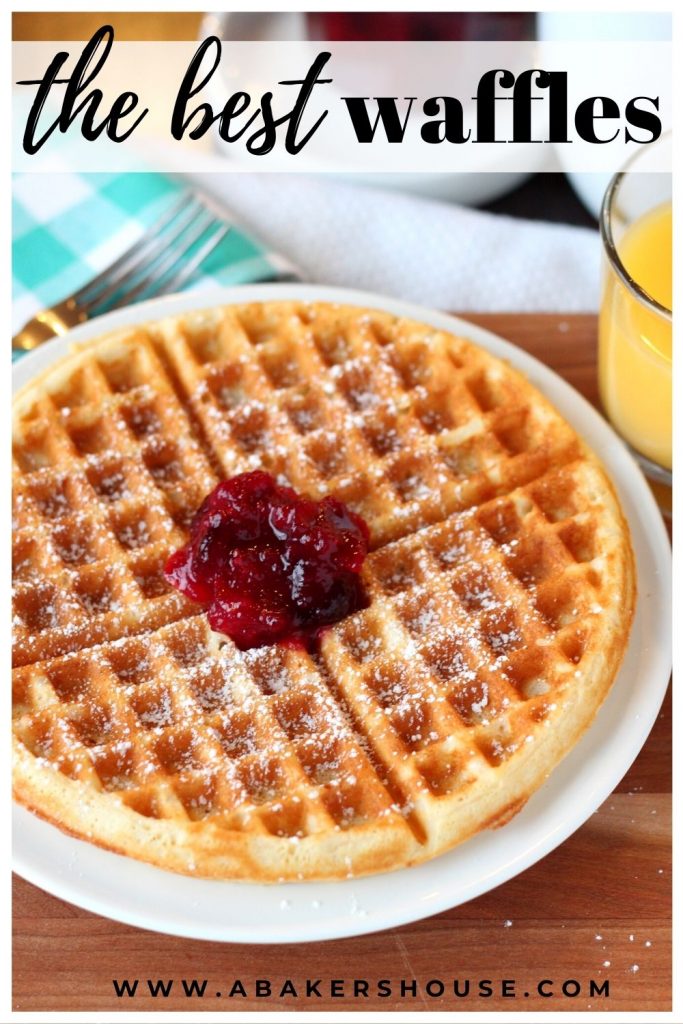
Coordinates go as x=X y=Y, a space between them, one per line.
x=597 y=908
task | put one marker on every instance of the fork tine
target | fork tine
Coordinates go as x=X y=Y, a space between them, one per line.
x=148 y=251
x=150 y=264
x=150 y=235
x=165 y=265
x=178 y=279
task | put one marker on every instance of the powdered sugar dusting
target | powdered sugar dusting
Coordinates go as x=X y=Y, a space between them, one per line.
x=443 y=676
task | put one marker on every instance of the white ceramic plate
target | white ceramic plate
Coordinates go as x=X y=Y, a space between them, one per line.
x=148 y=897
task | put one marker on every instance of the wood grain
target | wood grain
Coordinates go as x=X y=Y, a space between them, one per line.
x=128 y=25
x=598 y=907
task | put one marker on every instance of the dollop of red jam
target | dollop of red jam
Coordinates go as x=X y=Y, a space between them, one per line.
x=270 y=565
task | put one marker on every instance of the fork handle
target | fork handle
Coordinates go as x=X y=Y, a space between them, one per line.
x=48 y=324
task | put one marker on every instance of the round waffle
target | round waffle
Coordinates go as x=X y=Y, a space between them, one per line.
x=500 y=583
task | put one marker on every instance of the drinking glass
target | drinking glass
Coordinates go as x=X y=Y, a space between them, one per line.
x=635 y=322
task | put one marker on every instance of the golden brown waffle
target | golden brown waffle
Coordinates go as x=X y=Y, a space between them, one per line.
x=501 y=591
x=404 y=423
x=107 y=476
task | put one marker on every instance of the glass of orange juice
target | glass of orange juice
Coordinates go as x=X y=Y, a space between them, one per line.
x=634 y=333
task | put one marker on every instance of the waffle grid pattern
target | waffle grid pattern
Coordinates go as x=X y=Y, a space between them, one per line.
x=107 y=477
x=403 y=426
x=256 y=743
x=499 y=591
x=452 y=666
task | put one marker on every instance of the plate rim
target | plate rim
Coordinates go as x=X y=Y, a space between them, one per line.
x=644 y=520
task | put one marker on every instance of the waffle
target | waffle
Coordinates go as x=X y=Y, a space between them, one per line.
x=500 y=593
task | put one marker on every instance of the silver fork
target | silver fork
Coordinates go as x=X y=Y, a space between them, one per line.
x=153 y=265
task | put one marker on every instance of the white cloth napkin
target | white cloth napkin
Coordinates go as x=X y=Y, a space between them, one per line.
x=435 y=253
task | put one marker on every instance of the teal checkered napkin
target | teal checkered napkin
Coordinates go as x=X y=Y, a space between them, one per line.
x=67 y=227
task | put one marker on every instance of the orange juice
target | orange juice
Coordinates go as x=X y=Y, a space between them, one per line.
x=635 y=338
